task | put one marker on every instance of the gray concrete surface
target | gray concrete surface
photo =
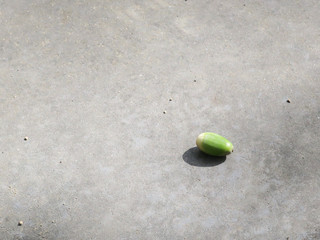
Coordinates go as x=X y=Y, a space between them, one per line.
x=88 y=81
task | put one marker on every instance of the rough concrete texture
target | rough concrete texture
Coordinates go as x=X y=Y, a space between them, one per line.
x=108 y=156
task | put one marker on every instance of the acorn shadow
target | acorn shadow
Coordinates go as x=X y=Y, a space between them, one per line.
x=195 y=157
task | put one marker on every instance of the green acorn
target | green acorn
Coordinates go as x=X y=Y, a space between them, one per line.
x=214 y=144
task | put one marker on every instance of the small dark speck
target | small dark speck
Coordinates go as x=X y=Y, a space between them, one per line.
x=60 y=162
x=288 y=101
x=194 y=80
x=244 y=5
x=164 y=112
x=20 y=223
x=25 y=138
x=170 y=99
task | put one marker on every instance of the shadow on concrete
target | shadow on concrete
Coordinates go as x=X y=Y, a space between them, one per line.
x=197 y=158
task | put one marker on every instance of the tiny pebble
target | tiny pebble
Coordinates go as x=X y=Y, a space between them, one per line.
x=25 y=138
x=164 y=112
x=288 y=101
x=20 y=223
x=170 y=99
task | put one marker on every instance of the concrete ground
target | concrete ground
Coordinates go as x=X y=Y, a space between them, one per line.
x=111 y=96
